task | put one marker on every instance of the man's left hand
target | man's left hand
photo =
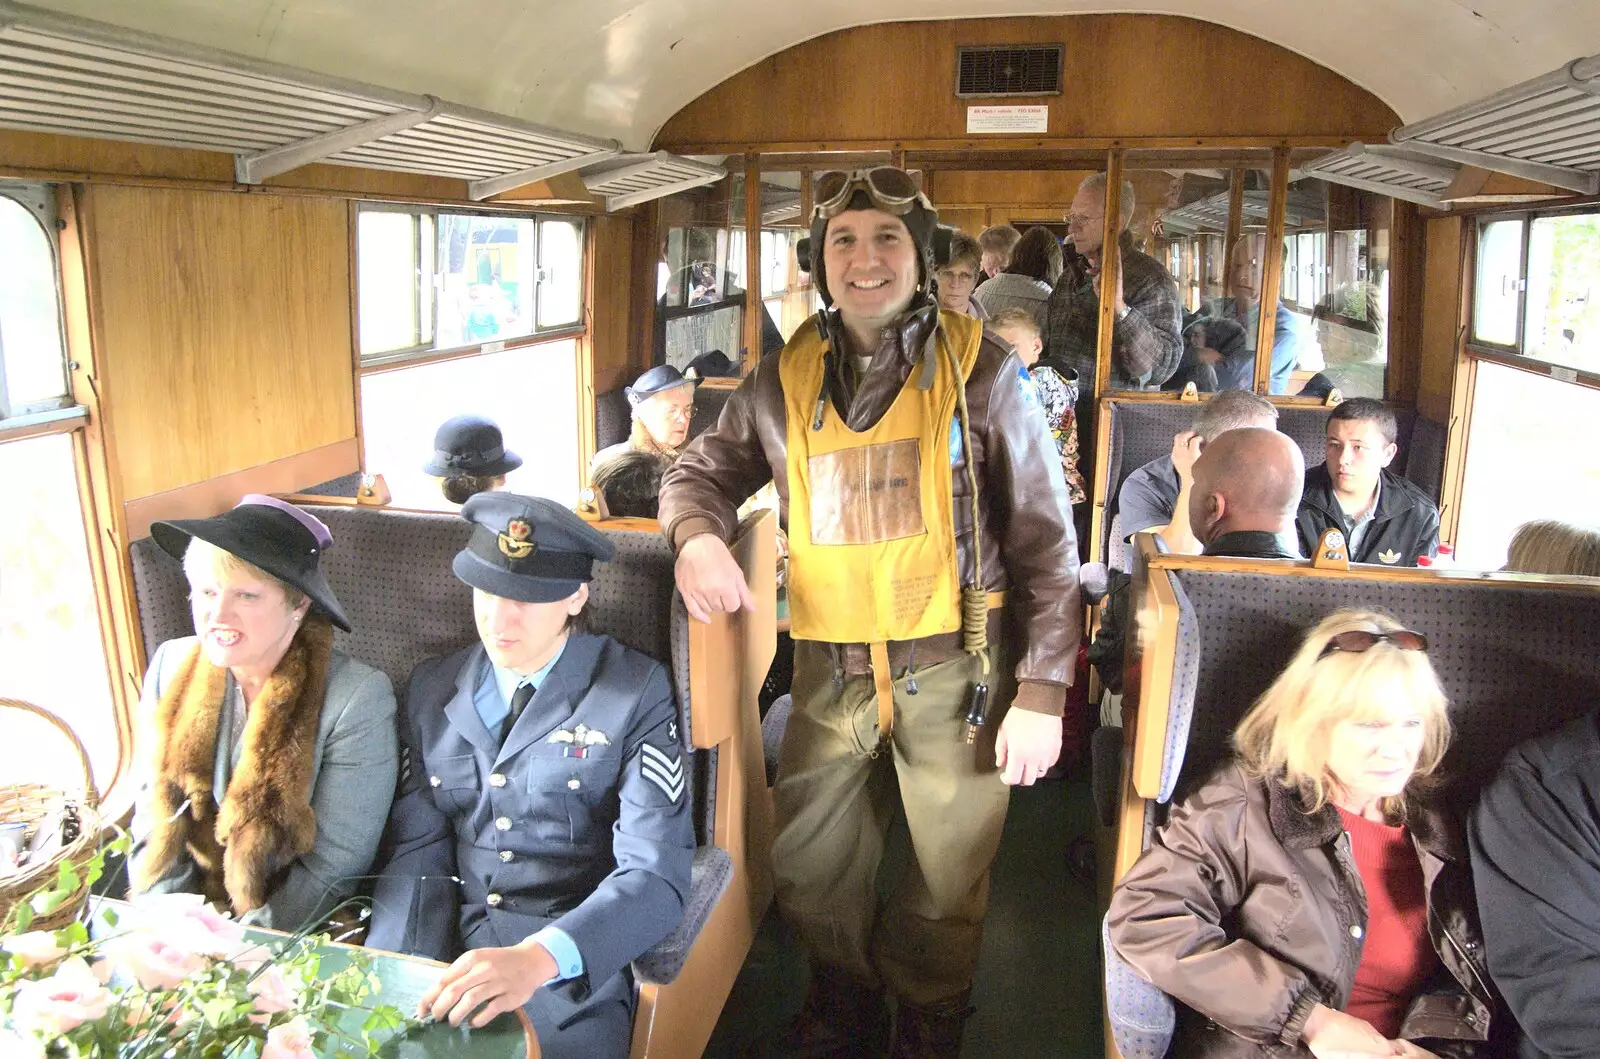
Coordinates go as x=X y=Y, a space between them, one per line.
x=1117 y=302
x=497 y=980
x=1026 y=746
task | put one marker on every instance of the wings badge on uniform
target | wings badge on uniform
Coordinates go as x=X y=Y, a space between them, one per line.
x=575 y=742
x=665 y=772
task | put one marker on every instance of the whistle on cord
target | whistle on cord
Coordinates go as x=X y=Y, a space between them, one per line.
x=977 y=710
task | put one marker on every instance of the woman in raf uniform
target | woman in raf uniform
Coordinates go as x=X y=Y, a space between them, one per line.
x=541 y=838
x=1312 y=897
x=272 y=755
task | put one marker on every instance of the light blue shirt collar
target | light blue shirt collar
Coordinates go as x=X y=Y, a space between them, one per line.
x=508 y=680
x=492 y=699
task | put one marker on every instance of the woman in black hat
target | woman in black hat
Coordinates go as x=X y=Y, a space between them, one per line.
x=470 y=457
x=270 y=757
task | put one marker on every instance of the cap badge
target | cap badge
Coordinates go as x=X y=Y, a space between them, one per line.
x=575 y=742
x=515 y=542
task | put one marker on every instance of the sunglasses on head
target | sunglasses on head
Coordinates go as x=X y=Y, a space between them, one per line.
x=891 y=190
x=1358 y=641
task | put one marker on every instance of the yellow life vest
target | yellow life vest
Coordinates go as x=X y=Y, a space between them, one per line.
x=872 y=545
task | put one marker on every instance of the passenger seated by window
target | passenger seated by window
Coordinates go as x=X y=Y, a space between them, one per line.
x=957 y=275
x=1147 y=339
x=1310 y=897
x=1058 y=391
x=1245 y=494
x=273 y=755
x=1548 y=546
x=1385 y=519
x=1032 y=271
x=996 y=243
x=662 y=401
x=630 y=484
x=1535 y=840
x=1242 y=305
x=541 y=837
x=1156 y=496
x=470 y=457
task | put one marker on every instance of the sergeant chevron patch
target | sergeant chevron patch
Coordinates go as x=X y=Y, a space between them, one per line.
x=665 y=772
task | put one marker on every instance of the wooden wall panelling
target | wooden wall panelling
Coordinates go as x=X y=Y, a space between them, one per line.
x=1150 y=77
x=1110 y=263
x=1440 y=317
x=1407 y=280
x=615 y=256
x=225 y=330
x=648 y=233
x=754 y=311
x=1271 y=268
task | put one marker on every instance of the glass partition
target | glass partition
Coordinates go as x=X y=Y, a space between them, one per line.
x=785 y=290
x=700 y=289
x=1333 y=311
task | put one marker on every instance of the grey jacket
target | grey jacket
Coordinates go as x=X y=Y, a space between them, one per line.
x=1012 y=291
x=352 y=784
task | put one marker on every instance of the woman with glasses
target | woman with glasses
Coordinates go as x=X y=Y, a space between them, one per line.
x=1310 y=897
x=957 y=275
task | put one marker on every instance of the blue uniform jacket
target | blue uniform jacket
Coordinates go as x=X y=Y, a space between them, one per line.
x=580 y=819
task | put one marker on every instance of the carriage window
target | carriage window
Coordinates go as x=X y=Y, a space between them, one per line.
x=530 y=391
x=1537 y=288
x=34 y=375
x=1530 y=455
x=1334 y=313
x=430 y=279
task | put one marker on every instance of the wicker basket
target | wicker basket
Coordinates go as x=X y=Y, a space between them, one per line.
x=32 y=803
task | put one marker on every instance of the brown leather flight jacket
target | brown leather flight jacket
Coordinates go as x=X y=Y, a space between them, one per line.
x=1029 y=547
x=1250 y=912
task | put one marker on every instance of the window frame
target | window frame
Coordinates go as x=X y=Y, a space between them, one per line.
x=38 y=199
x=426 y=353
x=1515 y=354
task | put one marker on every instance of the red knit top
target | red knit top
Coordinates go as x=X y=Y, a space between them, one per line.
x=1397 y=956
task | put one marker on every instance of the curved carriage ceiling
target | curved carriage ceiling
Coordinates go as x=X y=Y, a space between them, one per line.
x=621 y=68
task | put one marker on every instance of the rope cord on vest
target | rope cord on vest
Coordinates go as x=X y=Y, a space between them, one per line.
x=974 y=598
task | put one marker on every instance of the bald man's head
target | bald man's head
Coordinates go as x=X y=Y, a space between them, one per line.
x=1246 y=479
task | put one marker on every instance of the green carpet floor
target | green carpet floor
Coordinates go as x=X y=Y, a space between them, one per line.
x=1038 y=987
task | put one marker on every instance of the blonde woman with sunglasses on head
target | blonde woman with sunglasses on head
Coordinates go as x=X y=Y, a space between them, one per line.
x=1309 y=898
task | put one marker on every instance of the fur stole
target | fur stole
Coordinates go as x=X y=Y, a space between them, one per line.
x=265 y=819
x=640 y=439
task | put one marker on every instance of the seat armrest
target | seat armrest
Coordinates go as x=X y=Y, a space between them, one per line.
x=709 y=877
x=1142 y=1017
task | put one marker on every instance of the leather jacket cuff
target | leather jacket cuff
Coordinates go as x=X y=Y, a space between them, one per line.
x=1296 y=1024
x=1036 y=696
x=691 y=527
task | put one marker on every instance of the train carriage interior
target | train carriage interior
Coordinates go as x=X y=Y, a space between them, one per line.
x=266 y=247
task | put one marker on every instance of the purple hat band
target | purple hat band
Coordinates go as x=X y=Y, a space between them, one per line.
x=312 y=524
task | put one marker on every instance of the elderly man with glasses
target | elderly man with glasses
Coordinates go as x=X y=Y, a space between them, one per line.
x=932 y=570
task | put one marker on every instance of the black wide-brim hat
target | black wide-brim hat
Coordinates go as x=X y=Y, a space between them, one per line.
x=267 y=533
x=528 y=548
x=659 y=379
x=470 y=445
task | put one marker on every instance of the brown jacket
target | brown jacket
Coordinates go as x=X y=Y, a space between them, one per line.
x=1028 y=541
x=1250 y=912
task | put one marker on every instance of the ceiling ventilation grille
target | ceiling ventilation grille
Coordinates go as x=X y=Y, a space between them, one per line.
x=1009 y=70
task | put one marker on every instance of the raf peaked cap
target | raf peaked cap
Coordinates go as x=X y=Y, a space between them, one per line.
x=658 y=379
x=269 y=534
x=528 y=548
x=470 y=445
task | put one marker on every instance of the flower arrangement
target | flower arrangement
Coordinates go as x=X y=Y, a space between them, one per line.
x=173 y=979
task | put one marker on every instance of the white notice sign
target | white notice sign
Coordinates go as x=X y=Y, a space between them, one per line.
x=1008 y=119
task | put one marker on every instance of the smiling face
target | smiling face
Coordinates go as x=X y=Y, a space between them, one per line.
x=871 y=264
x=242 y=616
x=1375 y=757
x=521 y=636
x=666 y=415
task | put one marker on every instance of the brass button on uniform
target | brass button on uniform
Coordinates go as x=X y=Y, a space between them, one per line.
x=505 y=856
x=1355 y=932
x=496 y=780
x=433 y=781
x=493 y=900
x=573 y=784
x=502 y=823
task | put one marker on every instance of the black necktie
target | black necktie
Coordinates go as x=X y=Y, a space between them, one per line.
x=519 y=699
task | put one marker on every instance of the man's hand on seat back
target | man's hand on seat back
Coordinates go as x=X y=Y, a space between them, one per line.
x=1027 y=744
x=710 y=579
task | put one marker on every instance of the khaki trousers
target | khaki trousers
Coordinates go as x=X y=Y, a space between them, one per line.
x=835 y=798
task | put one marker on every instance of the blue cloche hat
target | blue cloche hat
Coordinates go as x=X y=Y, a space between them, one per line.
x=528 y=548
x=470 y=445
x=658 y=379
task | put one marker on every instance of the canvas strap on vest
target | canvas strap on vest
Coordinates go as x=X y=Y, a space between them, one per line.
x=871 y=513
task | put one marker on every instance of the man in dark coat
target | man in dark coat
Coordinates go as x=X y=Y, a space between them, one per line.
x=1385 y=518
x=1246 y=490
x=541 y=835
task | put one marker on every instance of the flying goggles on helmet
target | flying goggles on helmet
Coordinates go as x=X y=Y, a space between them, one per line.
x=884 y=188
